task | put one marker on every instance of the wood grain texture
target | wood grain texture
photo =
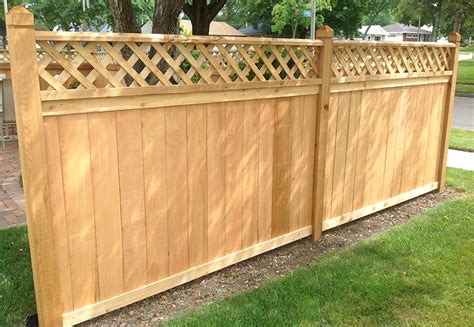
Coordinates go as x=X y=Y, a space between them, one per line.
x=296 y=163
x=233 y=195
x=79 y=202
x=197 y=183
x=132 y=197
x=108 y=222
x=156 y=193
x=281 y=175
x=307 y=158
x=216 y=172
x=251 y=132
x=265 y=169
x=58 y=210
x=177 y=179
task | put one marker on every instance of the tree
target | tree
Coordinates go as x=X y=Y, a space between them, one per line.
x=123 y=16
x=345 y=16
x=166 y=16
x=290 y=14
x=375 y=8
x=201 y=13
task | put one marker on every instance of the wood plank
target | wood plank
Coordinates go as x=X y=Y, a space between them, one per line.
x=177 y=179
x=381 y=121
x=156 y=193
x=351 y=158
x=79 y=202
x=132 y=198
x=265 y=169
x=433 y=151
x=307 y=158
x=296 y=161
x=234 y=134
x=251 y=131
x=401 y=141
x=216 y=168
x=368 y=210
x=122 y=300
x=330 y=157
x=393 y=109
x=142 y=98
x=370 y=178
x=197 y=184
x=362 y=149
x=423 y=141
x=344 y=107
x=58 y=210
x=108 y=222
x=280 y=220
x=408 y=176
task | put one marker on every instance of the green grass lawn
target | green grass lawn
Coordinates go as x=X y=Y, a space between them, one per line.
x=461 y=140
x=465 y=82
x=468 y=49
x=420 y=273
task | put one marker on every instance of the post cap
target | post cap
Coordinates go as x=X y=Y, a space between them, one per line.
x=324 y=32
x=454 y=37
x=19 y=16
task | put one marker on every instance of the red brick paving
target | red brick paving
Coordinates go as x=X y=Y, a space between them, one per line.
x=12 y=210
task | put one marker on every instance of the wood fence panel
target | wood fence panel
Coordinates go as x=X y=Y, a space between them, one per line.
x=382 y=145
x=153 y=182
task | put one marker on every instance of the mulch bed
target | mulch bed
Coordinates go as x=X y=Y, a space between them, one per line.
x=254 y=272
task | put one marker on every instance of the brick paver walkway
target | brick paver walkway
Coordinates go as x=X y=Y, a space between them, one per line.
x=12 y=207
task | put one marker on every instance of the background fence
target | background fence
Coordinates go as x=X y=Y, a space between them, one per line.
x=151 y=160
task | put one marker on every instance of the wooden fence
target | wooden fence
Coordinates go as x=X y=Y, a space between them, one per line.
x=166 y=158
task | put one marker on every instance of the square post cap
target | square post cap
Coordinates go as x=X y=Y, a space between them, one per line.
x=324 y=32
x=454 y=37
x=19 y=16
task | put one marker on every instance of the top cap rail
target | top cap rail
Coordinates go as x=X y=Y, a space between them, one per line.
x=393 y=43
x=165 y=38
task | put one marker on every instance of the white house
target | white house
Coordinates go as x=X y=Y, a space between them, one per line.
x=402 y=32
x=375 y=33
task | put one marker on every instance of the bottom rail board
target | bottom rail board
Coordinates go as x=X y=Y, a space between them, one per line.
x=141 y=293
x=336 y=221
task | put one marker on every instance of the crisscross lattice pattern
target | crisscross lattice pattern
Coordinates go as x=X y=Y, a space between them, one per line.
x=362 y=60
x=114 y=64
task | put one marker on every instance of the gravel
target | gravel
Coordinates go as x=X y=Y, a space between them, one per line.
x=252 y=273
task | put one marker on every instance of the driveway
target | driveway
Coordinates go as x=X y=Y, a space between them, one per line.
x=463 y=115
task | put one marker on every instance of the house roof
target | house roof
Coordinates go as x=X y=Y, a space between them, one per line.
x=251 y=31
x=374 y=30
x=402 y=28
x=216 y=28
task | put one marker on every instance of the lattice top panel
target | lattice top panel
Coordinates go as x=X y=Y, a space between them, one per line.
x=97 y=61
x=351 y=59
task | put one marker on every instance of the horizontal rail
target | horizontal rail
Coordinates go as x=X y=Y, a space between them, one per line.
x=393 y=43
x=138 y=294
x=165 y=38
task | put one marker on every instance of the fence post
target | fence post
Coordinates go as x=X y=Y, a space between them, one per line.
x=26 y=95
x=325 y=34
x=448 y=107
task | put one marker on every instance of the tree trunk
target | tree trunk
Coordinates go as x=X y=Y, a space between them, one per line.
x=458 y=21
x=201 y=14
x=437 y=21
x=123 y=16
x=166 y=16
